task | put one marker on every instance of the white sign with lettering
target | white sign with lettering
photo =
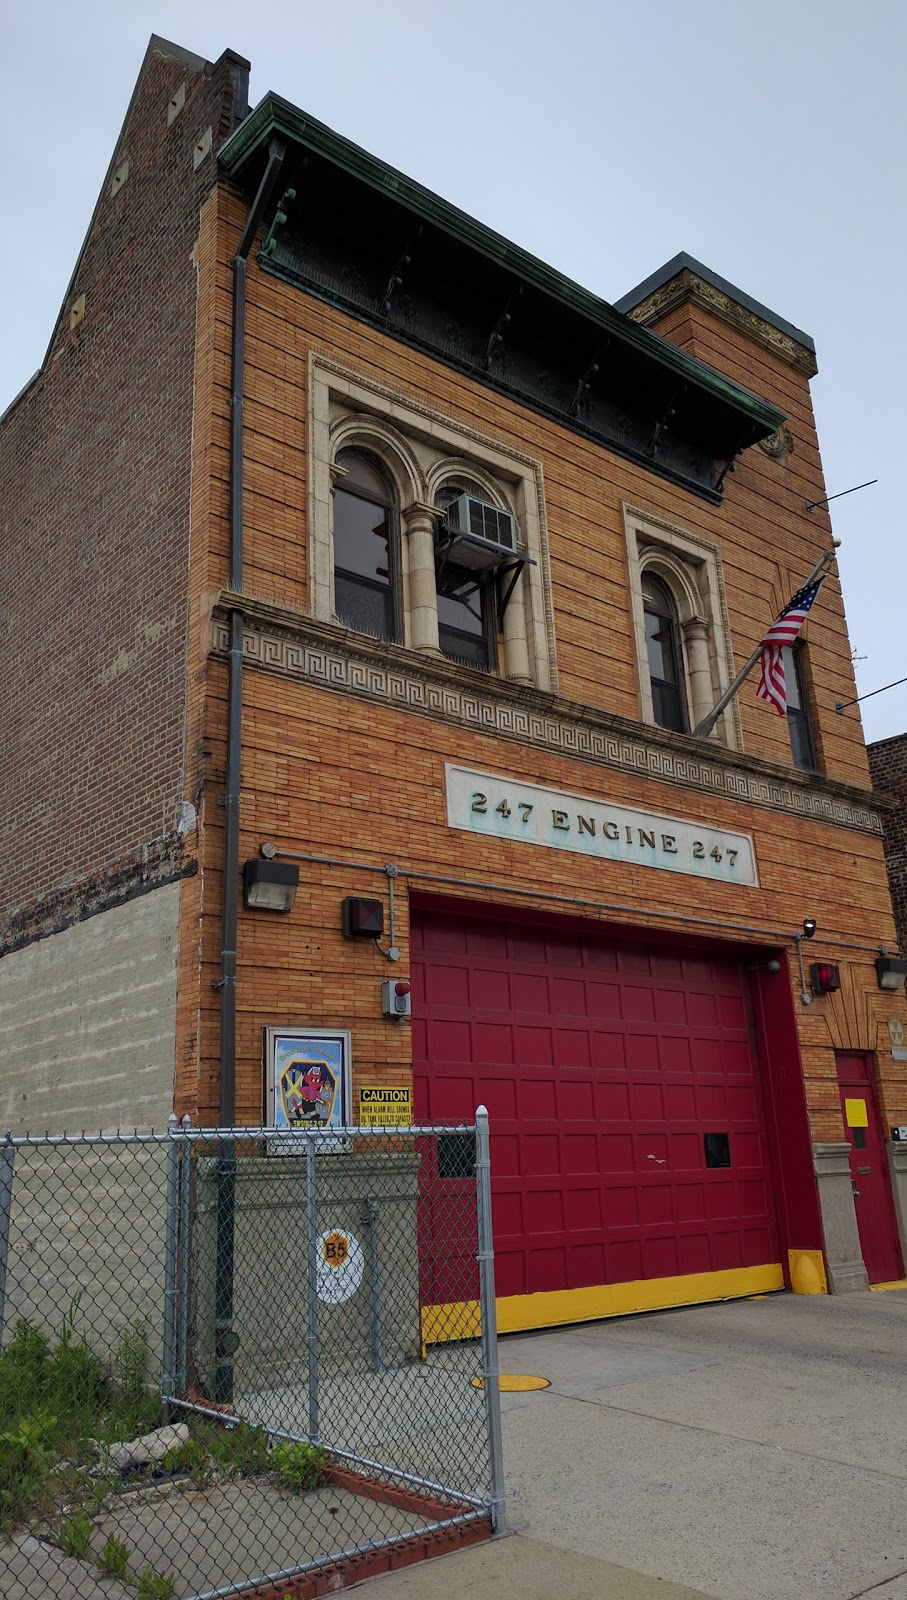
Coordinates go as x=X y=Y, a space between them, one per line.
x=507 y=808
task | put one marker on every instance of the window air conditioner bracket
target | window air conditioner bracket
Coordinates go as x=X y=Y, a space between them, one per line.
x=514 y=568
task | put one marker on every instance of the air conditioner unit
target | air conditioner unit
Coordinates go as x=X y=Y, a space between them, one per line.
x=483 y=522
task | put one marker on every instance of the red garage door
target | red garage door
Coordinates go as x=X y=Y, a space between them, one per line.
x=629 y=1160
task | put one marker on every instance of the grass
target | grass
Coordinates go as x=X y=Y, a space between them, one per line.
x=55 y=1397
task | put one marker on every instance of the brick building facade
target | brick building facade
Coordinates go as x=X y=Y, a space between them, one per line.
x=262 y=495
x=888 y=770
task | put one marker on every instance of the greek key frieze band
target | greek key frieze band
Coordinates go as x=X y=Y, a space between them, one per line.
x=388 y=684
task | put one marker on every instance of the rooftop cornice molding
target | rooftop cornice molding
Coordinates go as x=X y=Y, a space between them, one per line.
x=322 y=655
x=691 y=285
x=276 y=116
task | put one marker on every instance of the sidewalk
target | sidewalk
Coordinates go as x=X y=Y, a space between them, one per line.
x=749 y=1451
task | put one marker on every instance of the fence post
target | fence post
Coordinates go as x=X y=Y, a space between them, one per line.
x=182 y=1296
x=171 y=1271
x=490 y=1370
x=7 y=1156
x=370 y=1221
x=311 y=1211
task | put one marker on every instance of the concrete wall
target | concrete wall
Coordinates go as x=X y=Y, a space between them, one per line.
x=87 y=1022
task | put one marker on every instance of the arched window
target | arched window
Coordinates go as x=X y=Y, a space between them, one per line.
x=467 y=614
x=367 y=576
x=664 y=653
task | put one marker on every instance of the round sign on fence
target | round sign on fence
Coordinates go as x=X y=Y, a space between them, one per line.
x=340 y=1266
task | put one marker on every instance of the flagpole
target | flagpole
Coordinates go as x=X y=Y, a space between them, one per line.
x=704 y=728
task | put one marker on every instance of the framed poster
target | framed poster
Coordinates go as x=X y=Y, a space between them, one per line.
x=307 y=1083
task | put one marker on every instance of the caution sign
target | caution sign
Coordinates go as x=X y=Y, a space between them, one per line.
x=380 y=1107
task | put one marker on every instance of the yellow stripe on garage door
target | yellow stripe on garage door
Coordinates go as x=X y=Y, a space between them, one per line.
x=520 y=1311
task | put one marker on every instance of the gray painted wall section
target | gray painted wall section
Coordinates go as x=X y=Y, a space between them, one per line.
x=88 y=1022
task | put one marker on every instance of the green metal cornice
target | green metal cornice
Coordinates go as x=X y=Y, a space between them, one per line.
x=244 y=150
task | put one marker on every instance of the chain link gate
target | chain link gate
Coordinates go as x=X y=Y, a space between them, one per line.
x=240 y=1360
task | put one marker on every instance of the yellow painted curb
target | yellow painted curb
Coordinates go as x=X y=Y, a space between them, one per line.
x=515 y=1383
x=899 y=1283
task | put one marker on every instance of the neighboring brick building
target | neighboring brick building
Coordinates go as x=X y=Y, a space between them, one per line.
x=888 y=770
x=260 y=485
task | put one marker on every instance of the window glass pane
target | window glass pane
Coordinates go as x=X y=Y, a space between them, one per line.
x=801 y=742
x=367 y=607
x=792 y=678
x=660 y=645
x=361 y=537
x=463 y=616
x=363 y=474
x=667 y=706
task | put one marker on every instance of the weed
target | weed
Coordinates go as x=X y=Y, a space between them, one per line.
x=301 y=1466
x=243 y=1450
x=189 y=1457
x=135 y=1409
x=74 y=1535
x=114 y=1558
x=155 y=1585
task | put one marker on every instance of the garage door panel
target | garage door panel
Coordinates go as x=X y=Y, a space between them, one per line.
x=546 y=1270
x=498 y=1095
x=584 y=1209
x=607 y=1052
x=533 y=1047
x=571 y=1048
x=685 y=1152
x=623 y=1261
x=530 y=994
x=536 y=1100
x=603 y=1000
x=490 y=991
x=580 y=1153
x=493 y=1043
x=621 y=1208
x=544 y=1211
x=617 y=1152
x=612 y=1101
x=568 y=997
x=505 y=1155
x=638 y=1004
x=670 y=1006
x=603 y=1068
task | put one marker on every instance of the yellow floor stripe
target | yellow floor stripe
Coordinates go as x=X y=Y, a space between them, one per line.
x=899 y=1283
x=461 y=1320
x=515 y=1383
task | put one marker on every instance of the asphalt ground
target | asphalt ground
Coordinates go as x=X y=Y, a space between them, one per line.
x=755 y=1450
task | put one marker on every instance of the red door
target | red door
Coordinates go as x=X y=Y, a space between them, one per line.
x=869 y=1168
x=627 y=1136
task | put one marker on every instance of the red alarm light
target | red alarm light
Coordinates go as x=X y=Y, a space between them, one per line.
x=825 y=977
x=402 y=987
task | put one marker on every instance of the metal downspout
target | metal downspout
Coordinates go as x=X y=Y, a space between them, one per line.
x=226 y=1198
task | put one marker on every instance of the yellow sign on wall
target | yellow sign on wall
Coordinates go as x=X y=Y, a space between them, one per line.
x=856 y=1114
x=381 y=1107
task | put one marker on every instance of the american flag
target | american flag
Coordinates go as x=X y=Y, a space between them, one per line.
x=783 y=631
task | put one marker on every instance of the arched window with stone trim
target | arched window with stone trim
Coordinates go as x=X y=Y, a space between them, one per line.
x=665 y=654
x=368 y=581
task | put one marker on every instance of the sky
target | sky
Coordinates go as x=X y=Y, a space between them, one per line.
x=767 y=141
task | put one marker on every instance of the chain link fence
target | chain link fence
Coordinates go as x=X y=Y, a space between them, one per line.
x=242 y=1360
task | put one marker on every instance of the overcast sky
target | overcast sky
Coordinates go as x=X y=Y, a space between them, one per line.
x=768 y=141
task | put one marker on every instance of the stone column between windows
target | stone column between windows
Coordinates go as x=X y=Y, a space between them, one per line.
x=699 y=666
x=419 y=520
x=516 y=641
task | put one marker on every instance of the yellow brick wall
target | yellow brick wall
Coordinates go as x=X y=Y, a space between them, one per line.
x=329 y=774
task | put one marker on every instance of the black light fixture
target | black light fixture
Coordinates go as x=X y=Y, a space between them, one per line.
x=890 y=971
x=269 y=885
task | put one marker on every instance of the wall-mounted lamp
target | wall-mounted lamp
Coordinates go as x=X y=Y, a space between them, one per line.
x=890 y=971
x=809 y=927
x=764 y=966
x=269 y=885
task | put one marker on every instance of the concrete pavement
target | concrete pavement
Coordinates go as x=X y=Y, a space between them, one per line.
x=749 y=1451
